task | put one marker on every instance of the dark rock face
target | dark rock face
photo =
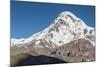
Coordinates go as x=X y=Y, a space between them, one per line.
x=85 y=31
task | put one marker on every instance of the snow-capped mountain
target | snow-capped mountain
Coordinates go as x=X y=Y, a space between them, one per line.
x=65 y=28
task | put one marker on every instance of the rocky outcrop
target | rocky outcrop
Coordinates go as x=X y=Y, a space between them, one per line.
x=76 y=51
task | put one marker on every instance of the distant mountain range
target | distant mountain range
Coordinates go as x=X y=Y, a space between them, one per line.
x=68 y=38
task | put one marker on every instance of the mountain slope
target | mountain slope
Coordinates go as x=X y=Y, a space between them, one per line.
x=68 y=38
x=76 y=51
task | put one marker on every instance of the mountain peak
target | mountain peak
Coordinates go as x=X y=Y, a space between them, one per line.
x=64 y=29
x=66 y=13
x=70 y=18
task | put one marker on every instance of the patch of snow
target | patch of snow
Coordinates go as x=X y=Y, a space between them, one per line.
x=37 y=42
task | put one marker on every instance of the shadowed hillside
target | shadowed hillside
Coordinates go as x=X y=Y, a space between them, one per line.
x=37 y=60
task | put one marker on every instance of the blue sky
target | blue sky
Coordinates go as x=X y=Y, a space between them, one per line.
x=28 y=18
